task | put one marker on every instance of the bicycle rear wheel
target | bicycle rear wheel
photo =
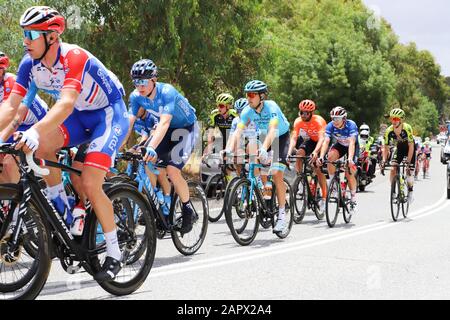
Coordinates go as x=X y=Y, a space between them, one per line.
x=243 y=204
x=289 y=209
x=300 y=198
x=317 y=197
x=347 y=197
x=395 y=198
x=333 y=203
x=190 y=242
x=137 y=241
x=23 y=275
x=405 y=198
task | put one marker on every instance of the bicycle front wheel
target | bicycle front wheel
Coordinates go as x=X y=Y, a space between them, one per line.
x=136 y=233
x=25 y=265
x=396 y=201
x=243 y=203
x=300 y=198
x=333 y=203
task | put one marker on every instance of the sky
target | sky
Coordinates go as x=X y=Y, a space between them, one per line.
x=427 y=23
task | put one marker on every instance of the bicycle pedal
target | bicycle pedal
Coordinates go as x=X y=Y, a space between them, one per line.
x=73 y=269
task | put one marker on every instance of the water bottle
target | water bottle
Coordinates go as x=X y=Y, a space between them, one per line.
x=167 y=202
x=160 y=197
x=343 y=187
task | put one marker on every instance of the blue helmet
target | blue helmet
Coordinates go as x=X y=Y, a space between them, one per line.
x=144 y=69
x=240 y=104
x=255 y=86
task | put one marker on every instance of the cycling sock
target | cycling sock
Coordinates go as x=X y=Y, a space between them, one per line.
x=112 y=245
x=281 y=213
x=187 y=207
x=353 y=193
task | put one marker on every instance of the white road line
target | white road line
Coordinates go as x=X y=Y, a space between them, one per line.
x=298 y=245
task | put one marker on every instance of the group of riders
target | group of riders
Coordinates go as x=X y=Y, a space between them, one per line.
x=90 y=113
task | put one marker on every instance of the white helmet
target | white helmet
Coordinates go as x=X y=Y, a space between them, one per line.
x=364 y=134
x=364 y=127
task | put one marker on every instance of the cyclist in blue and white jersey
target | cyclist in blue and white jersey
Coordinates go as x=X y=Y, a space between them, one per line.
x=345 y=132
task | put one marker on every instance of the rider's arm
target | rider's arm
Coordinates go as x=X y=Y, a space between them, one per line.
x=9 y=110
x=62 y=109
x=161 y=130
x=132 y=119
x=322 y=126
x=294 y=136
x=351 y=148
x=17 y=121
x=326 y=143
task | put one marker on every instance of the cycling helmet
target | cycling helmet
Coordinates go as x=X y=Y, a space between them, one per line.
x=364 y=127
x=397 y=113
x=4 y=60
x=338 y=112
x=144 y=69
x=427 y=139
x=225 y=98
x=255 y=86
x=307 y=105
x=240 y=104
x=43 y=18
x=364 y=134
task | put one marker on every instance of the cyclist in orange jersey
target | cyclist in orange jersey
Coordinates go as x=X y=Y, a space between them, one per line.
x=307 y=138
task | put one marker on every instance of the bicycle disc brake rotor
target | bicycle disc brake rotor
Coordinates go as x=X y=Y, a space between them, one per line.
x=7 y=256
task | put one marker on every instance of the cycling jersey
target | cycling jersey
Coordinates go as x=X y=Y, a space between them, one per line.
x=343 y=135
x=100 y=115
x=312 y=129
x=426 y=148
x=216 y=119
x=406 y=135
x=250 y=131
x=74 y=68
x=365 y=144
x=167 y=101
x=270 y=114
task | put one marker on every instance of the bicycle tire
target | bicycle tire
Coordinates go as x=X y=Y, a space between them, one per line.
x=251 y=210
x=289 y=211
x=38 y=273
x=217 y=187
x=300 y=200
x=317 y=197
x=177 y=237
x=331 y=214
x=125 y=192
x=395 y=198
x=345 y=210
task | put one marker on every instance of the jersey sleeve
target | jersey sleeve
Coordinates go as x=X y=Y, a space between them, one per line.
x=234 y=125
x=24 y=77
x=76 y=62
x=329 y=130
x=133 y=104
x=169 y=94
x=409 y=131
x=386 y=135
x=274 y=110
x=244 y=118
x=353 y=130
x=296 y=130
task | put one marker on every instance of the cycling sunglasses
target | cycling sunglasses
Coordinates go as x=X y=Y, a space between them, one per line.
x=221 y=106
x=396 y=119
x=305 y=113
x=252 y=94
x=33 y=34
x=336 y=119
x=141 y=82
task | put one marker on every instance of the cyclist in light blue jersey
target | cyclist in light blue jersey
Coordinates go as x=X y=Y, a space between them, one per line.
x=271 y=122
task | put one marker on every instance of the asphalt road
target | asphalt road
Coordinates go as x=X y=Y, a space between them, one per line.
x=370 y=258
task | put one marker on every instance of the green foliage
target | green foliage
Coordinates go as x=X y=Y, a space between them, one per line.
x=332 y=51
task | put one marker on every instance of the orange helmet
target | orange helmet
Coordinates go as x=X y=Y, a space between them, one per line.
x=307 y=105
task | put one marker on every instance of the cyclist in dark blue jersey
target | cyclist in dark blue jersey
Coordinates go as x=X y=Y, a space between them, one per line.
x=174 y=137
x=345 y=133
